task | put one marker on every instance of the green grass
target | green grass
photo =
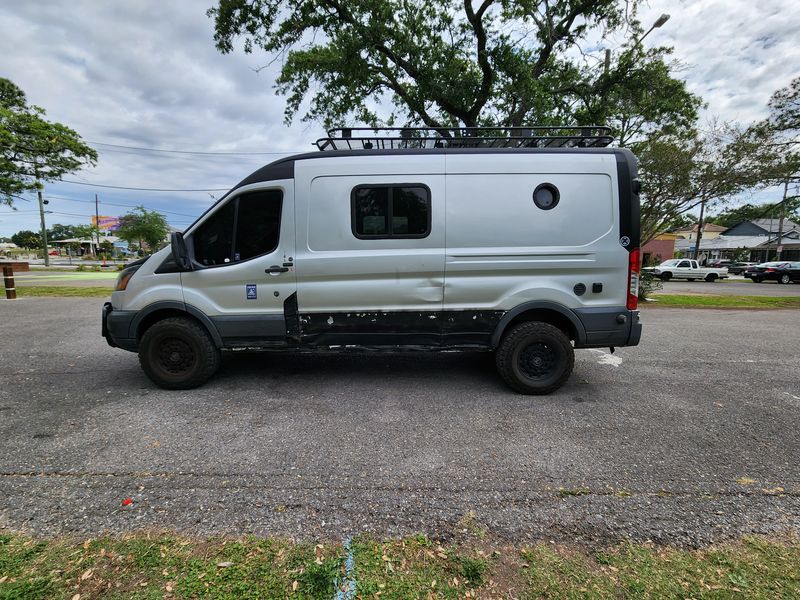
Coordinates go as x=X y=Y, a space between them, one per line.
x=704 y=301
x=148 y=566
x=64 y=291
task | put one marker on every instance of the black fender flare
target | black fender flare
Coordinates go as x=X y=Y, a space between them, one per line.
x=580 y=331
x=175 y=305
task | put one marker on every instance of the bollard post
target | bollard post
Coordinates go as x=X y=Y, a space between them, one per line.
x=8 y=279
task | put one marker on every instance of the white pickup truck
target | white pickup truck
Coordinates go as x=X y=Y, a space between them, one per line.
x=683 y=268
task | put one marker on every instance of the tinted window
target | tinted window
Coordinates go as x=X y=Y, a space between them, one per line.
x=213 y=240
x=388 y=211
x=258 y=224
x=256 y=219
x=371 y=211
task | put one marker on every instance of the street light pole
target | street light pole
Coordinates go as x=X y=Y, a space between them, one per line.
x=44 y=230
x=659 y=22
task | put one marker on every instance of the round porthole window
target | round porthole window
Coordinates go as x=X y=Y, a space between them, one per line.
x=545 y=196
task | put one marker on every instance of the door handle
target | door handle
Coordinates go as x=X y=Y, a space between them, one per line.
x=275 y=269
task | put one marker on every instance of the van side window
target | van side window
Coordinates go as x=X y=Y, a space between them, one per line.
x=213 y=240
x=258 y=224
x=391 y=211
x=245 y=227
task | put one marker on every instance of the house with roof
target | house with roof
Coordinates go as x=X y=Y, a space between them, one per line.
x=755 y=240
x=761 y=227
x=710 y=231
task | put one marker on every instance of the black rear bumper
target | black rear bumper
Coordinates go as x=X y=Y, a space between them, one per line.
x=606 y=327
x=116 y=328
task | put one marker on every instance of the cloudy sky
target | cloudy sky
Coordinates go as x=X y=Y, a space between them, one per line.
x=145 y=73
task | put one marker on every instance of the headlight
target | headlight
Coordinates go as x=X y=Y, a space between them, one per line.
x=125 y=276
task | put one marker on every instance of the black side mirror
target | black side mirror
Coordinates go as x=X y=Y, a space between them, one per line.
x=179 y=252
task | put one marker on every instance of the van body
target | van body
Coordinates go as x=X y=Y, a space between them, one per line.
x=387 y=249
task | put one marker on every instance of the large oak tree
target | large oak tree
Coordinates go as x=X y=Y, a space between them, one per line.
x=443 y=63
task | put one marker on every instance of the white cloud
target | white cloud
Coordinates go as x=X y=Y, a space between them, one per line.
x=147 y=73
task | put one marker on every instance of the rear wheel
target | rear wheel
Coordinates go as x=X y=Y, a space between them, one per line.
x=784 y=278
x=711 y=277
x=535 y=358
x=178 y=354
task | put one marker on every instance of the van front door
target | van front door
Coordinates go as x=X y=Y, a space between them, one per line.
x=244 y=265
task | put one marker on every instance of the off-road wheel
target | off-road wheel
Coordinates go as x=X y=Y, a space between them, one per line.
x=178 y=354
x=535 y=358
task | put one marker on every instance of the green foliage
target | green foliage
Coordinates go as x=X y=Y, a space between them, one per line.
x=679 y=172
x=33 y=149
x=27 y=239
x=648 y=283
x=446 y=63
x=144 y=226
x=747 y=212
x=60 y=232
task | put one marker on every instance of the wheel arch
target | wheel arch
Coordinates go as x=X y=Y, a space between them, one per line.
x=165 y=309
x=548 y=312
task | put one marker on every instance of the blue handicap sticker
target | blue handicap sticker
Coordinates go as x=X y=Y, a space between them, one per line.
x=251 y=291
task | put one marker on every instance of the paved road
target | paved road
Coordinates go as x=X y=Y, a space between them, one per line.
x=735 y=287
x=69 y=279
x=690 y=438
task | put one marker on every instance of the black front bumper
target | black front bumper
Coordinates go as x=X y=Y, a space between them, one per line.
x=117 y=328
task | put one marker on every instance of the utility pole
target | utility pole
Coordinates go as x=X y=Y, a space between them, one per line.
x=779 y=249
x=97 y=223
x=699 y=231
x=44 y=230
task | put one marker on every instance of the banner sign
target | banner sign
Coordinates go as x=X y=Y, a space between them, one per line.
x=106 y=223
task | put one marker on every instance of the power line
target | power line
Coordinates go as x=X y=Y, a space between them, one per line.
x=172 y=151
x=141 y=189
x=118 y=204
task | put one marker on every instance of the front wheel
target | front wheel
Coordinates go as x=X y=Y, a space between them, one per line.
x=178 y=354
x=535 y=358
x=666 y=276
x=757 y=280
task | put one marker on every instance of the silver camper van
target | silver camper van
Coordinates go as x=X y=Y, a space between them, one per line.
x=521 y=241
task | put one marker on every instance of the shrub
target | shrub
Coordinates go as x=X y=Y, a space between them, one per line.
x=648 y=283
x=81 y=268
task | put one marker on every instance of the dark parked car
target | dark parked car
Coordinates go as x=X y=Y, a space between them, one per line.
x=716 y=263
x=738 y=268
x=780 y=271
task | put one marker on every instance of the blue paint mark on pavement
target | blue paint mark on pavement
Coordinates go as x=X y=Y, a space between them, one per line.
x=347 y=588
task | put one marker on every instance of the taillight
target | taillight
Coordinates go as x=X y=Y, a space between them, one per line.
x=770 y=270
x=633 y=279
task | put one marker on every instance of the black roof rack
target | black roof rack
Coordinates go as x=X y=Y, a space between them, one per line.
x=387 y=138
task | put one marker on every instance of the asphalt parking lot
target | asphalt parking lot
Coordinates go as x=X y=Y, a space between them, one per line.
x=690 y=438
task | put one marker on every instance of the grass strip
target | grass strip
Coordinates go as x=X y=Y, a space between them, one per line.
x=146 y=566
x=64 y=291
x=708 y=301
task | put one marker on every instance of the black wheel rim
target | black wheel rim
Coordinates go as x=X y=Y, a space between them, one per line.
x=175 y=356
x=538 y=360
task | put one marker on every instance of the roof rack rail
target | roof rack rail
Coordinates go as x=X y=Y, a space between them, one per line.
x=388 y=138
